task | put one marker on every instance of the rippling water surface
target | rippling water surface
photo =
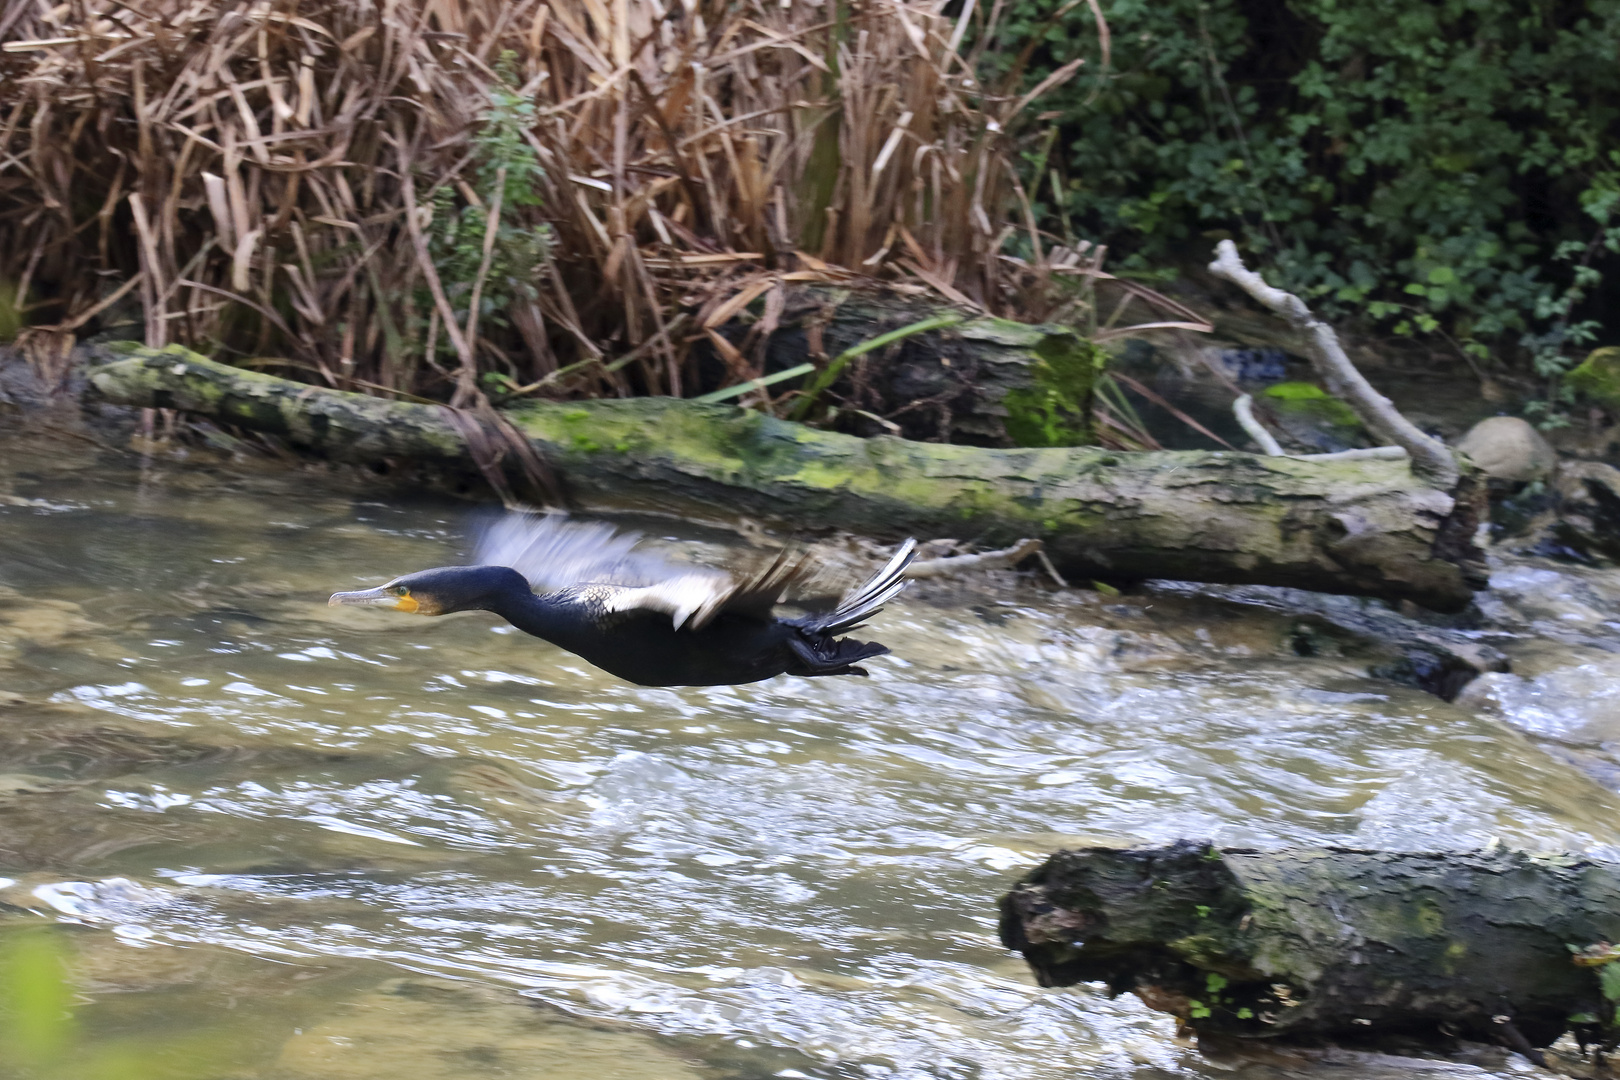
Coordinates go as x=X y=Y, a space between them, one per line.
x=291 y=841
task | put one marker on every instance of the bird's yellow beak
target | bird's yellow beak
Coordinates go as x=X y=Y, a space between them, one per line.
x=382 y=596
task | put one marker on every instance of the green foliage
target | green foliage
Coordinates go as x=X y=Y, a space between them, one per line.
x=36 y=1000
x=502 y=161
x=42 y=1038
x=1448 y=168
x=1609 y=981
x=1056 y=410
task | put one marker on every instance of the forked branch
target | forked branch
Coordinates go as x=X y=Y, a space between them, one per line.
x=1431 y=460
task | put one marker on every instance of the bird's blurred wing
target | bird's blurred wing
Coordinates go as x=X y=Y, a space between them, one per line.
x=554 y=552
x=762 y=590
x=691 y=599
x=694 y=597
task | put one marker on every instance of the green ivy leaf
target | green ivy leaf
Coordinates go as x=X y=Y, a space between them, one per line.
x=1609 y=981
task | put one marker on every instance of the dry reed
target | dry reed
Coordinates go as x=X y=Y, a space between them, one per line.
x=353 y=184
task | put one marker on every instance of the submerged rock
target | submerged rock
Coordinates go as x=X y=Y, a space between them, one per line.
x=1509 y=448
x=1440 y=656
x=1573 y=518
x=1589 y=512
x=428 y=1029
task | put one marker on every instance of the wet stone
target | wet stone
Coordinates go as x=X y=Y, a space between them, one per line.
x=1509 y=448
x=428 y=1029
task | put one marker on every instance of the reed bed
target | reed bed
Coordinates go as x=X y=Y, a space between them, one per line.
x=433 y=197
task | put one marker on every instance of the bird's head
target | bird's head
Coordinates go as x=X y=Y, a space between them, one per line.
x=440 y=591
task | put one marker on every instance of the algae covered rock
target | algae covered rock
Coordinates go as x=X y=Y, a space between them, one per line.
x=1508 y=448
x=1311 y=417
x=1598 y=378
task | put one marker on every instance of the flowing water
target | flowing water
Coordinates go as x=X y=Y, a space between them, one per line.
x=272 y=839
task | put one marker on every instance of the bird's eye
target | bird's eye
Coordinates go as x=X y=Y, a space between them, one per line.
x=400 y=590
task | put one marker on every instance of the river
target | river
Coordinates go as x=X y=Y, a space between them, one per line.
x=272 y=839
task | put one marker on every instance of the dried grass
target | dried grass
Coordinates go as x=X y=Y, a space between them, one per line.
x=263 y=176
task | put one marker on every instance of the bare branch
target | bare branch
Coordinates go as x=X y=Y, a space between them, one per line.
x=1243 y=409
x=1431 y=459
x=986 y=560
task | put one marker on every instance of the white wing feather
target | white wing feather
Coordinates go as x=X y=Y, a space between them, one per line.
x=693 y=598
x=554 y=552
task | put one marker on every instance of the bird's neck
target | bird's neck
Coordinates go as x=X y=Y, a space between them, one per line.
x=533 y=615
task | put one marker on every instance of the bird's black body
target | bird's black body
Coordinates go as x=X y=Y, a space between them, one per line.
x=643 y=646
x=650 y=622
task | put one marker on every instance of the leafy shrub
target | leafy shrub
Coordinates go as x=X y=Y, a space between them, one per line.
x=1450 y=167
x=502 y=162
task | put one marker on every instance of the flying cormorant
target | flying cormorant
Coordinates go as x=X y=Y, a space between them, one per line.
x=588 y=588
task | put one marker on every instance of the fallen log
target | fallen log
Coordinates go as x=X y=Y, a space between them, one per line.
x=973 y=384
x=1331 y=943
x=1361 y=526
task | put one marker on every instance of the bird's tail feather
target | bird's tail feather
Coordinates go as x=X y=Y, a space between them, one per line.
x=864 y=601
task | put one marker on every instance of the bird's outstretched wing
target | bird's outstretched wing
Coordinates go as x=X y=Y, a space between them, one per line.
x=762 y=590
x=554 y=552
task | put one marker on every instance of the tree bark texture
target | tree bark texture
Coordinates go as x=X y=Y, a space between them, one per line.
x=1325 y=943
x=1363 y=526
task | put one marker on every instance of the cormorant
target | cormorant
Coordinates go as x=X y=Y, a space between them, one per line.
x=584 y=587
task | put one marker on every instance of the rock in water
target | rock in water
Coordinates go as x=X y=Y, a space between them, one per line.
x=1327 y=943
x=1508 y=448
x=1589 y=510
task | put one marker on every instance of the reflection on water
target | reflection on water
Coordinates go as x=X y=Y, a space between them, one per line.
x=334 y=843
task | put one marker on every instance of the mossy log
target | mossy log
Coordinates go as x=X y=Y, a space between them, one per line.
x=1362 y=526
x=1327 y=944
x=968 y=384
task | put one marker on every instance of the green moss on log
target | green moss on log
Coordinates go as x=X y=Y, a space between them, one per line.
x=1056 y=410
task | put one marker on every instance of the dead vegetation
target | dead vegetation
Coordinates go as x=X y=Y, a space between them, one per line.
x=563 y=197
